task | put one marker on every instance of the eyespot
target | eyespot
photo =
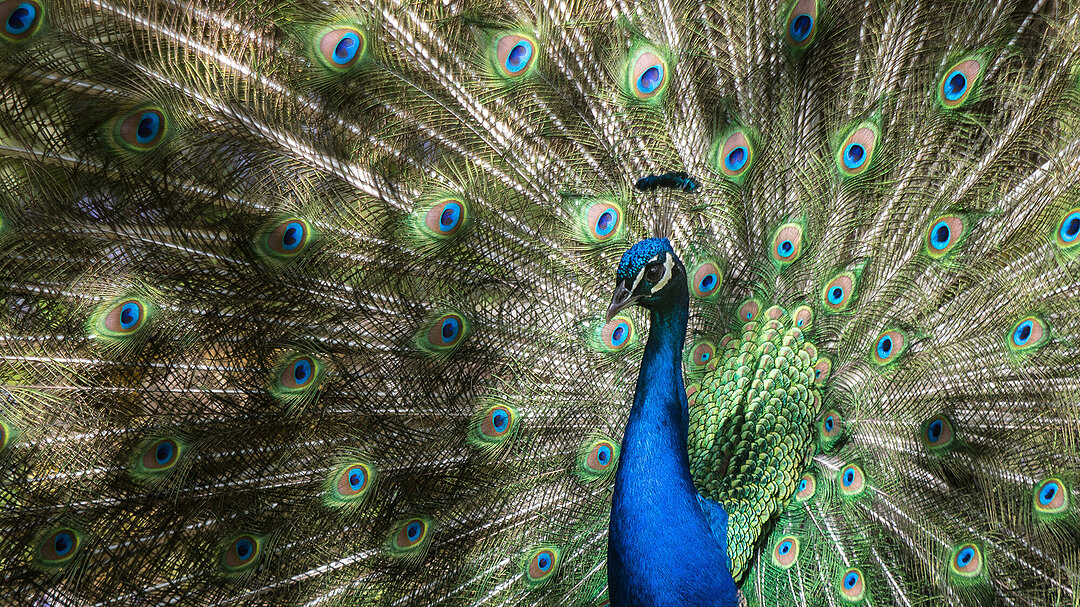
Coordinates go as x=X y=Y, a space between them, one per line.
x=1028 y=334
x=822 y=368
x=120 y=319
x=515 y=55
x=749 y=310
x=299 y=373
x=287 y=239
x=20 y=19
x=647 y=75
x=350 y=484
x=851 y=480
x=787 y=243
x=857 y=151
x=1069 y=229
x=142 y=130
x=706 y=280
x=446 y=217
x=943 y=236
x=967 y=560
x=58 y=547
x=702 y=353
x=936 y=433
x=852 y=585
x=445 y=334
x=804 y=317
x=1051 y=497
x=735 y=156
x=497 y=421
x=341 y=48
x=831 y=424
x=602 y=221
x=617 y=333
x=240 y=553
x=839 y=292
x=785 y=551
x=959 y=80
x=543 y=563
x=801 y=26
x=126 y=317
x=161 y=455
x=806 y=488
x=774 y=313
x=411 y=537
x=888 y=347
x=596 y=459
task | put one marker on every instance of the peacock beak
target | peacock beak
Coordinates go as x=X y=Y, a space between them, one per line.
x=621 y=299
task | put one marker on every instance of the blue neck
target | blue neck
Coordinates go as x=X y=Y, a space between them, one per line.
x=660 y=547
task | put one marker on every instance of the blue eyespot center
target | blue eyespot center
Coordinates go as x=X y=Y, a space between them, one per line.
x=828 y=420
x=836 y=295
x=849 y=477
x=940 y=235
x=801 y=26
x=149 y=125
x=413 y=531
x=1048 y=493
x=63 y=543
x=603 y=455
x=357 y=477
x=21 y=19
x=784 y=548
x=1070 y=228
x=705 y=356
x=519 y=56
x=708 y=282
x=736 y=158
x=854 y=155
x=933 y=432
x=449 y=217
x=450 y=329
x=885 y=347
x=850 y=580
x=294 y=233
x=1022 y=333
x=606 y=222
x=955 y=85
x=964 y=557
x=619 y=334
x=346 y=48
x=802 y=485
x=244 y=549
x=164 y=452
x=302 y=371
x=651 y=79
x=543 y=561
x=785 y=248
x=129 y=315
x=499 y=420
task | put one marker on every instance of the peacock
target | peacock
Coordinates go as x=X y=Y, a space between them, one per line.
x=558 y=302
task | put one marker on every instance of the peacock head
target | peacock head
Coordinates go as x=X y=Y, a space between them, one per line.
x=650 y=274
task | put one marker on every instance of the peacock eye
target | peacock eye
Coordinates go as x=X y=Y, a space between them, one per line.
x=654 y=272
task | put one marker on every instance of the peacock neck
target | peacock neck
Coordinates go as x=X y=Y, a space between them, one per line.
x=660 y=547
